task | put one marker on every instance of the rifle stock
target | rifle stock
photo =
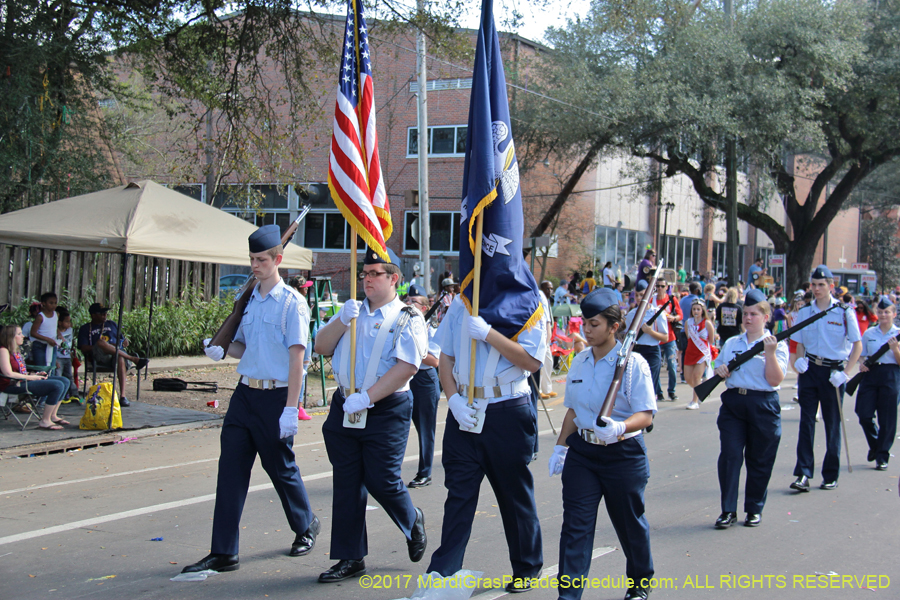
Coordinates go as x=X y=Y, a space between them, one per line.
x=631 y=337
x=705 y=388
x=226 y=332
x=870 y=362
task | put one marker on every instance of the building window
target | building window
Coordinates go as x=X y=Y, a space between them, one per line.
x=442 y=141
x=444 y=232
x=328 y=230
x=680 y=251
x=623 y=247
x=720 y=262
x=259 y=204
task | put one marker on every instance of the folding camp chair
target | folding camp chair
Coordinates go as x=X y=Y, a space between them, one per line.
x=25 y=400
x=562 y=348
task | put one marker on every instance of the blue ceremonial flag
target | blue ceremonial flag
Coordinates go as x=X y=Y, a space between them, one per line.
x=509 y=299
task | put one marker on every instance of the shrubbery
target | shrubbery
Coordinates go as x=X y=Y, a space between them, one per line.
x=179 y=326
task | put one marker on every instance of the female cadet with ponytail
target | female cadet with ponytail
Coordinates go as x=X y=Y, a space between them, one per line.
x=750 y=416
x=606 y=462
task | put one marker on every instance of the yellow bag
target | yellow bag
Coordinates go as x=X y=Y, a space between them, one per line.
x=97 y=406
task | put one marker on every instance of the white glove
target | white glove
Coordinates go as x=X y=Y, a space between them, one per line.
x=287 y=423
x=214 y=352
x=838 y=378
x=357 y=402
x=464 y=415
x=349 y=311
x=478 y=329
x=611 y=432
x=557 y=459
x=801 y=364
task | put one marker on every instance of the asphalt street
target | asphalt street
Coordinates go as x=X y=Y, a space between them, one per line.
x=82 y=524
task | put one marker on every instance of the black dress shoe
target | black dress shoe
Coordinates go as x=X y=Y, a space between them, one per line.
x=419 y=481
x=123 y=402
x=726 y=520
x=801 y=484
x=752 y=520
x=304 y=543
x=418 y=540
x=881 y=466
x=828 y=485
x=221 y=563
x=343 y=570
x=637 y=593
x=870 y=456
x=519 y=585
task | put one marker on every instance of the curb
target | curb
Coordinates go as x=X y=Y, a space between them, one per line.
x=102 y=439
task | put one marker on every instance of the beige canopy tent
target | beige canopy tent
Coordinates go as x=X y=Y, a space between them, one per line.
x=141 y=218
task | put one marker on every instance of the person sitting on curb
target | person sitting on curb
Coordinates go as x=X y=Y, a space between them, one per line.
x=98 y=340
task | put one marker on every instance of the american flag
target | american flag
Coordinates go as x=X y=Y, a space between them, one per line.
x=354 y=171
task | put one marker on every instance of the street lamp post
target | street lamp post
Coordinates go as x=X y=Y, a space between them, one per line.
x=668 y=207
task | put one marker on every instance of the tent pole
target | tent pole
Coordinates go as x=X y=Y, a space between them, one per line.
x=119 y=339
x=150 y=320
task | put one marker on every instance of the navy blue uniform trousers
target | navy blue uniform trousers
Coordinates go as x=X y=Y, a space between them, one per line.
x=879 y=393
x=501 y=452
x=367 y=461
x=815 y=389
x=652 y=355
x=617 y=473
x=426 y=391
x=251 y=428
x=749 y=431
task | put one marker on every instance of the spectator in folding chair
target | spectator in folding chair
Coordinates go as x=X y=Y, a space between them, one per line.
x=97 y=340
x=15 y=379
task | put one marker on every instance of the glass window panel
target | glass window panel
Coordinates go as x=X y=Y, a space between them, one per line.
x=461 y=139
x=440 y=232
x=601 y=244
x=411 y=233
x=269 y=196
x=621 y=241
x=695 y=254
x=454 y=238
x=443 y=140
x=314 y=230
x=335 y=231
x=413 y=141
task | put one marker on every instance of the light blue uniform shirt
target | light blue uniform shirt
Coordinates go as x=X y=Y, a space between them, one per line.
x=533 y=340
x=269 y=327
x=830 y=337
x=588 y=382
x=410 y=348
x=660 y=326
x=433 y=348
x=873 y=339
x=752 y=374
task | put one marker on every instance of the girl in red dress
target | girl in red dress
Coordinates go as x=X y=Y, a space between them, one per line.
x=699 y=352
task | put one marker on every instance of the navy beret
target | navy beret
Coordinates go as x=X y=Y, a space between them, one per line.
x=264 y=238
x=372 y=258
x=641 y=285
x=885 y=302
x=821 y=272
x=416 y=290
x=597 y=301
x=753 y=297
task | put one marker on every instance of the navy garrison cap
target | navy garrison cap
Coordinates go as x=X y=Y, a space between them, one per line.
x=372 y=258
x=885 y=302
x=598 y=301
x=754 y=296
x=267 y=236
x=821 y=272
x=641 y=285
x=416 y=290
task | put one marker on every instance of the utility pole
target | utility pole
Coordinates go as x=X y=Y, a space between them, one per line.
x=732 y=240
x=422 y=102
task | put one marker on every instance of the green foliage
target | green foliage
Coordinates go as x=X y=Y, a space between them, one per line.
x=179 y=326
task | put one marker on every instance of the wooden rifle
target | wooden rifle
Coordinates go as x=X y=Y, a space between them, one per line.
x=669 y=302
x=870 y=362
x=705 y=388
x=627 y=345
x=228 y=329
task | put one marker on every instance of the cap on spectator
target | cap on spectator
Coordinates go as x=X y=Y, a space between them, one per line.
x=448 y=281
x=299 y=282
x=97 y=309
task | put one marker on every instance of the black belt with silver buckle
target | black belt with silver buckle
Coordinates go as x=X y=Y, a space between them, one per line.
x=828 y=363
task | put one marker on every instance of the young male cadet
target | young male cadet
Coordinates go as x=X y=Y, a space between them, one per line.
x=390 y=344
x=262 y=416
x=828 y=350
x=504 y=447
x=879 y=391
x=426 y=393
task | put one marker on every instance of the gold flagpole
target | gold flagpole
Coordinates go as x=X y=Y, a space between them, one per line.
x=353 y=281
x=476 y=294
